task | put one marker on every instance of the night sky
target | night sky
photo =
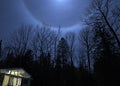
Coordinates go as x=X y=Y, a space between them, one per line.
x=57 y=12
x=12 y=15
x=78 y=54
x=65 y=13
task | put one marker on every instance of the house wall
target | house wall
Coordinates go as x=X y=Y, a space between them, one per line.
x=5 y=80
x=14 y=81
x=11 y=80
x=1 y=79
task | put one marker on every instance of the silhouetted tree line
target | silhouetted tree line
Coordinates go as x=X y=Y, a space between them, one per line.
x=90 y=57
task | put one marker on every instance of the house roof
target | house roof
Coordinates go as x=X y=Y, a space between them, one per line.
x=15 y=72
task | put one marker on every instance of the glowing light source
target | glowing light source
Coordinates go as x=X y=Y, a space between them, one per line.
x=65 y=13
x=60 y=0
x=58 y=3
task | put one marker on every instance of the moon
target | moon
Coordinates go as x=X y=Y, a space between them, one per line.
x=63 y=1
x=64 y=13
x=60 y=0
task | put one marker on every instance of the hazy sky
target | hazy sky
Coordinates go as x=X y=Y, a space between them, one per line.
x=66 y=13
x=57 y=12
x=13 y=13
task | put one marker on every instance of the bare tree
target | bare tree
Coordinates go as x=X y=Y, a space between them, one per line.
x=70 y=37
x=107 y=13
x=81 y=58
x=84 y=38
x=19 y=42
x=56 y=40
x=43 y=40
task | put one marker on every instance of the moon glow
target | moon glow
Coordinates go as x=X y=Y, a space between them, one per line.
x=63 y=13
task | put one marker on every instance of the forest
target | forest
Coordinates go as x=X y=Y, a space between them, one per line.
x=88 y=57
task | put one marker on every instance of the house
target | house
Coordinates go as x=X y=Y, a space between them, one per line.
x=14 y=77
